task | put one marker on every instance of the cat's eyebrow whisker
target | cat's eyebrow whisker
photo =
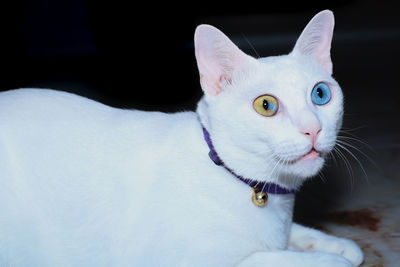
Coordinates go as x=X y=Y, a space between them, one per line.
x=251 y=46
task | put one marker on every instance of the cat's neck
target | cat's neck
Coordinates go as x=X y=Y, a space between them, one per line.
x=243 y=162
x=202 y=114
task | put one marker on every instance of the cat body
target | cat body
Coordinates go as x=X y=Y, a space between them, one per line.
x=84 y=184
x=137 y=199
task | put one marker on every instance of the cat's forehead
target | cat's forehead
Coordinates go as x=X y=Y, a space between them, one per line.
x=287 y=74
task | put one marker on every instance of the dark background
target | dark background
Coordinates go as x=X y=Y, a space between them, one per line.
x=140 y=55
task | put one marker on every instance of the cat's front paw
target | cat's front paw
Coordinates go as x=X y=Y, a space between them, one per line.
x=342 y=246
x=351 y=251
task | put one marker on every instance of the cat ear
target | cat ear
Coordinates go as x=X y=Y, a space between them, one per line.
x=315 y=40
x=217 y=58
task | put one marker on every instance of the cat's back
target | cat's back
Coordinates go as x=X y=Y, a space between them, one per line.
x=48 y=120
x=74 y=125
x=32 y=110
x=46 y=104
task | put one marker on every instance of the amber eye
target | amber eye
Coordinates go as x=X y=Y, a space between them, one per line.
x=266 y=105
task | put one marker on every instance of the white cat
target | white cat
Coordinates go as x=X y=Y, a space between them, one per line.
x=84 y=184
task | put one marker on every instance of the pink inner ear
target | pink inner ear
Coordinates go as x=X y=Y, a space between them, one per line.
x=315 y=40
x=217 y=58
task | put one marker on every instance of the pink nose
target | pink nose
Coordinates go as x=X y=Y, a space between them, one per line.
x=312 y=132
x=308 y=124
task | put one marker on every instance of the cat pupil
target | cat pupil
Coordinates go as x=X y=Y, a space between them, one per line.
x=319 y=92
x=265 y=104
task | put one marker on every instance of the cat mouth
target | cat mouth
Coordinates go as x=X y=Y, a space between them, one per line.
x=310 y=155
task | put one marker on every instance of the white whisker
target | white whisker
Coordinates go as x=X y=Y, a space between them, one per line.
x=272 y=172
x=347 y=164
x=251 y=46
x=358 y=161
x=344 y=143
x=333 y=157
x=354 y=139
x=322 y=176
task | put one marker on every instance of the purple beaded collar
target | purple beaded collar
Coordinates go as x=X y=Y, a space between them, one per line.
x=270 y=188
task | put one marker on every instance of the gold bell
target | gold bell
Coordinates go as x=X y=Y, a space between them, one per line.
x=259 y=198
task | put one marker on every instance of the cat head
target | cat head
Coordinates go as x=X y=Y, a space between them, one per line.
x=276 y=118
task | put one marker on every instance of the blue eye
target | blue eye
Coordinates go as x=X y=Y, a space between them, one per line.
x=321 y=94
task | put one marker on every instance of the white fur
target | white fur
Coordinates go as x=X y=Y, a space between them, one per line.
x=84 y=184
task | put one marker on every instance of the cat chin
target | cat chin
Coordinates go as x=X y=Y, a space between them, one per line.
x=304 y=168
